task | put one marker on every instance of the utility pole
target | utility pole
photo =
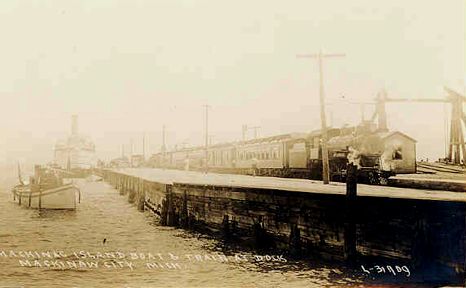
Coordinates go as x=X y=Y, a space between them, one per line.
x=325 y=164
x=131 y=153
x=245 y=129
x=211 y=141
x=255 y=131
x=164 y=148
x=206 y=138
x=144 y=146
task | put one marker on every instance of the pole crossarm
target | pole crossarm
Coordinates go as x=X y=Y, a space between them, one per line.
x=318 y=55
x=416 y=100
x=206 y=137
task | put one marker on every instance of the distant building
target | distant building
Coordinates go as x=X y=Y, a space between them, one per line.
x=137 y=160
x=121 y=162
x=399 y=152
x=76 y=151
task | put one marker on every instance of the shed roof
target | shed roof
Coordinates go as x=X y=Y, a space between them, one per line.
x=384 y=135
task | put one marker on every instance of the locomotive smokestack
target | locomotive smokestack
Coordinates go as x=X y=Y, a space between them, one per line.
x=74 y=125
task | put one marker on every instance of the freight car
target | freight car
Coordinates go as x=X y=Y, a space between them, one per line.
x=378 y=155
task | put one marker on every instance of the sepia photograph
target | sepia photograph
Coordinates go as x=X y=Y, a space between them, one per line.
x=203 y=143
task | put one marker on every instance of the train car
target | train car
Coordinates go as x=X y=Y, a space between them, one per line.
x=269 y=156
x=299 y=155
x=222 y=157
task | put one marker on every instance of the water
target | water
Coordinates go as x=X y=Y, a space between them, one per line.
x=104 y=214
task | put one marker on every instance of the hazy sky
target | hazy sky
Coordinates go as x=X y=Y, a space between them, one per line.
x=128 y=67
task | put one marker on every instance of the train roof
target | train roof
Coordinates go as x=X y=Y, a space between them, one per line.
x=316 y=133
x=276 y=138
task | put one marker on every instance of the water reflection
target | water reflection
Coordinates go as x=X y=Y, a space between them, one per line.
x=104 y=214
x=61 y=214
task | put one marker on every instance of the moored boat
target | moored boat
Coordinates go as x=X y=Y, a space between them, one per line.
x=47 y=190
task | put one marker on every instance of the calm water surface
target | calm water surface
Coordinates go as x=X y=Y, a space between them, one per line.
x=104 y=214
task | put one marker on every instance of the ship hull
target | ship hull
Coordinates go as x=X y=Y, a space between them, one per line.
x=63 y=197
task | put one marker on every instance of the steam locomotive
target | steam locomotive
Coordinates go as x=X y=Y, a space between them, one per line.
x=377 y=154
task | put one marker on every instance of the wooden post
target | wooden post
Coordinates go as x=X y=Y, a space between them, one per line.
x=123 y=185
x=132 y=189
x=40 y=198
x=170 y=207
x=226 y=226
x=350 y=252
x=184 y=211
x=295 y=240
x=142 y=196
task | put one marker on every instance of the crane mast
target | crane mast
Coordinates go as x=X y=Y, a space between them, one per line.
x=456 y=146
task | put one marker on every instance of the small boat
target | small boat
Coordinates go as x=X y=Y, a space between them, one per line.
x=46 y=190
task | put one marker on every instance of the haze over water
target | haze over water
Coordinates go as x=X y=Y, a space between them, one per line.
x=129 y=67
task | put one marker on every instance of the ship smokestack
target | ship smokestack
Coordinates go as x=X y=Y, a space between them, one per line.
x=74 y=125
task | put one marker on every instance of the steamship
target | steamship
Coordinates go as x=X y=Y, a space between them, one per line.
x=76 y=153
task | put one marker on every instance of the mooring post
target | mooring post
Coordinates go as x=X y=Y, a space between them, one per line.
x=350 y=219
x=132 y=190
x=170 y=207
x=125 y=184
x=184 y=211
x=122 y=179
x=295 y=240
x=40 y=198
x=141 y=196
x=261 y=237
x=226 y=226
x=234 y=226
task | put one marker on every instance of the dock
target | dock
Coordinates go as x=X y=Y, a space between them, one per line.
x=425 y=228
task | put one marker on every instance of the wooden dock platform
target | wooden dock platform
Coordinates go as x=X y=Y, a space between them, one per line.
x=286 y=184
x=417 y=227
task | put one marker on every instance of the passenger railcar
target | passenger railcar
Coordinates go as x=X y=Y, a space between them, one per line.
x=300 y=155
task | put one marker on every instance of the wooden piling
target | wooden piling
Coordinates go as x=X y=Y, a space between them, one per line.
x=125 y=185
x=350 y=252
x=226 y=226
x=295 y=240
x=261 y=238
x=132 y=189
x=184 y=211
x=170 y=207
x=141 y=196
x=40 y=198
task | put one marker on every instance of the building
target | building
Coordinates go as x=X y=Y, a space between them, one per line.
x=399 y=152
